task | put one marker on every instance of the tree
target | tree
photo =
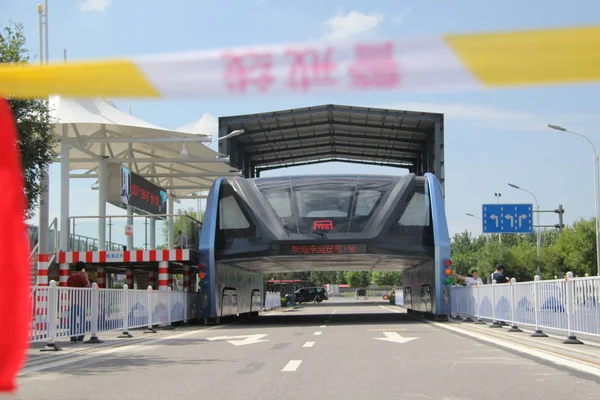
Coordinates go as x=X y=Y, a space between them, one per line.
x=36 y=141
x=577 y=245
x=386 y=278
x=184 y=224
x=358 y=279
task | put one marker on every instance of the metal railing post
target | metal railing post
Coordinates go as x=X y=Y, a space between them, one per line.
x=169 y=325
x=95 y=314
x=514 y=327
x=479 y=321
x=52 y=321
x=150 y=310
x=569 y=283
x=126 y=310
x=469 y=290
x=494 y=324
x=536 y=299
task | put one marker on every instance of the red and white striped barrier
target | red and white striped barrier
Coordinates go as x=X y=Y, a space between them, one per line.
x=42 y=271
x=123 y=256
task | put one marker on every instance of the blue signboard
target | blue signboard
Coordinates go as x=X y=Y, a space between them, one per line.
x=507 y=218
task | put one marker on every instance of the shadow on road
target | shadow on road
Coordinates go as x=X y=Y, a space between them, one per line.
x=101 y=364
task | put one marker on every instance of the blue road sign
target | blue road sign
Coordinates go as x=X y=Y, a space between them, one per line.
x=507 y=218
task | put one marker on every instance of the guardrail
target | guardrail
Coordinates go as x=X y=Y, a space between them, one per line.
x=65 y=312
x=272 y=300
x=570 y=305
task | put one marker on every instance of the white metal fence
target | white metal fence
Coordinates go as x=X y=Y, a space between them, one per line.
x=571 y=305
x=65 y=312
x=272 y=300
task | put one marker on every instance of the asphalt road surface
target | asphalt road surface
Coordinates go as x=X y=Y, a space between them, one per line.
x=317 y=351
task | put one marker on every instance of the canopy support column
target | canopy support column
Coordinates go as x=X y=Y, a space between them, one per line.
x=129 y=208
x=102 y=187
x=64 y=189
x=170 y=221
x=152 y=229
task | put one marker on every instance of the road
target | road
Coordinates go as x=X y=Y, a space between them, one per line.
x=322 y=351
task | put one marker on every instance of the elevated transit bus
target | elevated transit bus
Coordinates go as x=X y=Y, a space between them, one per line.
x=262 y=226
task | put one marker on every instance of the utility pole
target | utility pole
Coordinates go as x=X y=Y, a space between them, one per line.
x=498 y=195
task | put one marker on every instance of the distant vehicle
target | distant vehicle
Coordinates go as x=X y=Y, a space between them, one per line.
x=308 y=294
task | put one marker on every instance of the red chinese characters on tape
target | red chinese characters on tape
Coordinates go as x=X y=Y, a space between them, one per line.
x=248 y=70
x=302 y=69
x=374 y=66
x=311 y=67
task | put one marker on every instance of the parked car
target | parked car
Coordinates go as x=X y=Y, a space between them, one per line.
x=308 y=294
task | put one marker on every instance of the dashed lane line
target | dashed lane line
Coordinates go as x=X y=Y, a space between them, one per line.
x=309 y=344
x=292 y=366
x=317 y=333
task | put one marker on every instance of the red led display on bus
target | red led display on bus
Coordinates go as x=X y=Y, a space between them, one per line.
x=310 y=249
x=323 y=225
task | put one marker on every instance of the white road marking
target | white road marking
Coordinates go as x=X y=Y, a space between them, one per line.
x=309 y=344
x=395 y=338
x=292 y=366
x=317 y=333
x=391 y=309
x=323 y=326
x=143 y=345
x=334 y=311
x=559 y=359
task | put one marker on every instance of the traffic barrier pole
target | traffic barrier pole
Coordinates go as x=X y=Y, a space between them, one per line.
x=468 y=313
x=569 y=283
x=494 y=324
x=126 y=311
x=536 y=299
x=169 y=325
x=479 y=321
x=150 y=310
x=95 y=314
x=514 y=327
x=52 y=305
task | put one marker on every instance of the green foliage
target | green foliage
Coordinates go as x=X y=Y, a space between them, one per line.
x=181 y=224
x=358 y=279
x=36 y=141
x=572 y=250
x=386 y=278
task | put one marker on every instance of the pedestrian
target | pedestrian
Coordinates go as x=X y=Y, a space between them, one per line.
x=78 y=279
x=499 y=275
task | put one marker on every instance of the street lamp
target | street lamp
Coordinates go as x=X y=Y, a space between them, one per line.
x=230 y=135
x=596 y=188
x=539 y=236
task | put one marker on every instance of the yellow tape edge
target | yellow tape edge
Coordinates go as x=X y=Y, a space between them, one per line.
x=114 y=78
x=569 y=55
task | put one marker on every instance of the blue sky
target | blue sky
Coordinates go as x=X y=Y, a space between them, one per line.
x=492 y=137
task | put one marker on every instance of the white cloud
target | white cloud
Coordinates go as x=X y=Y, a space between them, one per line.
x=206 y=125
x=95 y=5
x=403 y=16
x=499 y=117
x=354 y=23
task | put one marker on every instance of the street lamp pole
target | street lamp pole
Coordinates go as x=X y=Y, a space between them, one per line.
x=479 y=218
x=596 y=189
x=498 y=195
x=538 y=232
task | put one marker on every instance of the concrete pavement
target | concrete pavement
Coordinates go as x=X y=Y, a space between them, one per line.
x=339 y=349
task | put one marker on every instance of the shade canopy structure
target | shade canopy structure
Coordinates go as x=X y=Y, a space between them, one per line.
x=410 y=140
x=96 y=129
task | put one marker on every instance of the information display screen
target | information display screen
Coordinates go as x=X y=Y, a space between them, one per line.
x=310 y=249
